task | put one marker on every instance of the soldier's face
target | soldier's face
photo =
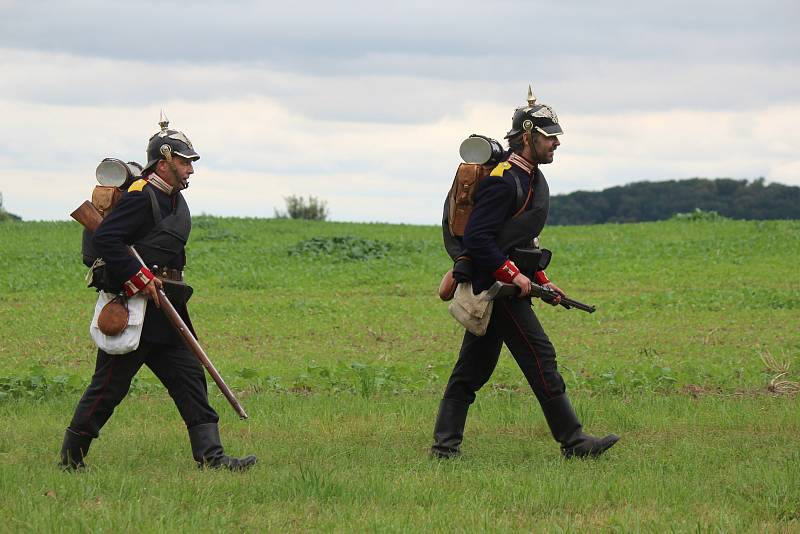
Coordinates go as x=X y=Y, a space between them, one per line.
x=177 y=174
x=183 y=169
x=543 y=149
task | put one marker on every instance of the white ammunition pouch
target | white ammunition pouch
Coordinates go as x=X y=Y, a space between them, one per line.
x=472 y=311
x=127 y=340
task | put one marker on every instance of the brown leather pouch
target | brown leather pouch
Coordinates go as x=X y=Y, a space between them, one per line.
x=447 y=287
x=104 y=198
x=113 y=317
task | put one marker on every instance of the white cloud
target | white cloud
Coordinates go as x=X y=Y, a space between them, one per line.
x=365 y=108
x=254 y=153
x=296 y=34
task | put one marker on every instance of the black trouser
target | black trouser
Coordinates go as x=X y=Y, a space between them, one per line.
x=175 y=366
x=513 y=323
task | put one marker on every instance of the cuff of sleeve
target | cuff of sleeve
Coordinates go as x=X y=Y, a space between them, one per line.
x=541 y=278
x=137 y=282
x=507 y=272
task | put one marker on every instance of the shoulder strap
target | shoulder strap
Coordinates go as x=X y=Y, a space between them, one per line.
x=520 y=202
x=524 y=204
x=138 y=185
x=498 y=171
x=500 y=168
x=154 y=205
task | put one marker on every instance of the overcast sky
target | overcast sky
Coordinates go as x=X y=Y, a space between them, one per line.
x=364 y=105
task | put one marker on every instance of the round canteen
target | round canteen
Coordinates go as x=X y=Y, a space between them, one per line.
x=480 y=149
x=114 y=172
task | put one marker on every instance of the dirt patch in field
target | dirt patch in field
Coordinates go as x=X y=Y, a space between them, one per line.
x=697 y=391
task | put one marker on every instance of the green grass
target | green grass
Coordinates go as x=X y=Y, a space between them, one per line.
x=360 y=464
x=340 y=359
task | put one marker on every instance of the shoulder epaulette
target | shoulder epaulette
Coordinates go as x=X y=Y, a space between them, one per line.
x=502 y=167
x=138 y=185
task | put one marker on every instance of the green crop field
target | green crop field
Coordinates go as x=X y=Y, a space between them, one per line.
x=333 y=338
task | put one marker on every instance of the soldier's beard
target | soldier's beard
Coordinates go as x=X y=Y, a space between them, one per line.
x=543 y=155
x=183 y=183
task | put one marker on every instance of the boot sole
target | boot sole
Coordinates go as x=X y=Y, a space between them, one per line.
x=439 y=455
x=242 y=464
x=593 y=453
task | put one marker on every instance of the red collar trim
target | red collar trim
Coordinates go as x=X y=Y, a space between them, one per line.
x=157 y=182
x=522 y=163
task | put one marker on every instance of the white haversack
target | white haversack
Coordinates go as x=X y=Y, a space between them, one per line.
x=472 y=311
x=127 y=340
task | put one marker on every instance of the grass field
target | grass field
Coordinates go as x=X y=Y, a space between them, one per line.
x=333 y=338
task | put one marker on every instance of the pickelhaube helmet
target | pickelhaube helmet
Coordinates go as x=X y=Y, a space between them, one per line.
x=539 y=117
x=166 y=143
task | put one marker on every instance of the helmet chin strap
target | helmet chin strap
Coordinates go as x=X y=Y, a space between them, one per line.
x=528 y=126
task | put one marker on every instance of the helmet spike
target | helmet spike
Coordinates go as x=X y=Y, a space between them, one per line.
x=163 y=121
x=531 y=97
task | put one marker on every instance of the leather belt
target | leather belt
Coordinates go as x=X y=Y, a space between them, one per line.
x=165 y=273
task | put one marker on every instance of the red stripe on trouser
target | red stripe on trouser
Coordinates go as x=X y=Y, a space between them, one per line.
x=530 y=346
x=102 y=392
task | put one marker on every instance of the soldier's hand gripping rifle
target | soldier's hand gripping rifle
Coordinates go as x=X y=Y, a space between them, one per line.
x=90 y=218
x=499 y=289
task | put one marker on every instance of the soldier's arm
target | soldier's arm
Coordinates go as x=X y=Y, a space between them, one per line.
x=118 y=230
x=493 y=202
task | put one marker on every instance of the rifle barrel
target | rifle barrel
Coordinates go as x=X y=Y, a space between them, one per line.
x=548 y=295
x=567 y=302
x=499 y=290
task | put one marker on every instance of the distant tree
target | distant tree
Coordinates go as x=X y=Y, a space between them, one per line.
x=300 y=208
x=4 y=215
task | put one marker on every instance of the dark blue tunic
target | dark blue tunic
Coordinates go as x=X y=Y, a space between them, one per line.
x=129 y=222
x=495 y=204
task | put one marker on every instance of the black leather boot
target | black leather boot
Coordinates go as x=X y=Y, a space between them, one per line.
x=567 y=430
x=207 y=450
x=449 y=430
x=74 y=448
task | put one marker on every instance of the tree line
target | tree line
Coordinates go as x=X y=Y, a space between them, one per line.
x=635 y=202
x=653 y=201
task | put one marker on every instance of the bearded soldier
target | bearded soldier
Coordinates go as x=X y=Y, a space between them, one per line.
x=153 y=216
x=512 y=201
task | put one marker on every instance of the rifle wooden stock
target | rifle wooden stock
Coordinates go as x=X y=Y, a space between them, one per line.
x=90 y=218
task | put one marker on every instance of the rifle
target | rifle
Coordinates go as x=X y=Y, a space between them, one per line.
x=499 y=290
x=90 y=218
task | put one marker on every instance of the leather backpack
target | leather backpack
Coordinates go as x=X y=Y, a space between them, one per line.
x=461 y=198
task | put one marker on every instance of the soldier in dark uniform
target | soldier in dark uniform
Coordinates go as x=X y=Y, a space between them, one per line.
x=512 y=201
x=153 y=216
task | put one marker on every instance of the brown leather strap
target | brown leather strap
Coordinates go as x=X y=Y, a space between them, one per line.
x=527 y=200
x=165 y=273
